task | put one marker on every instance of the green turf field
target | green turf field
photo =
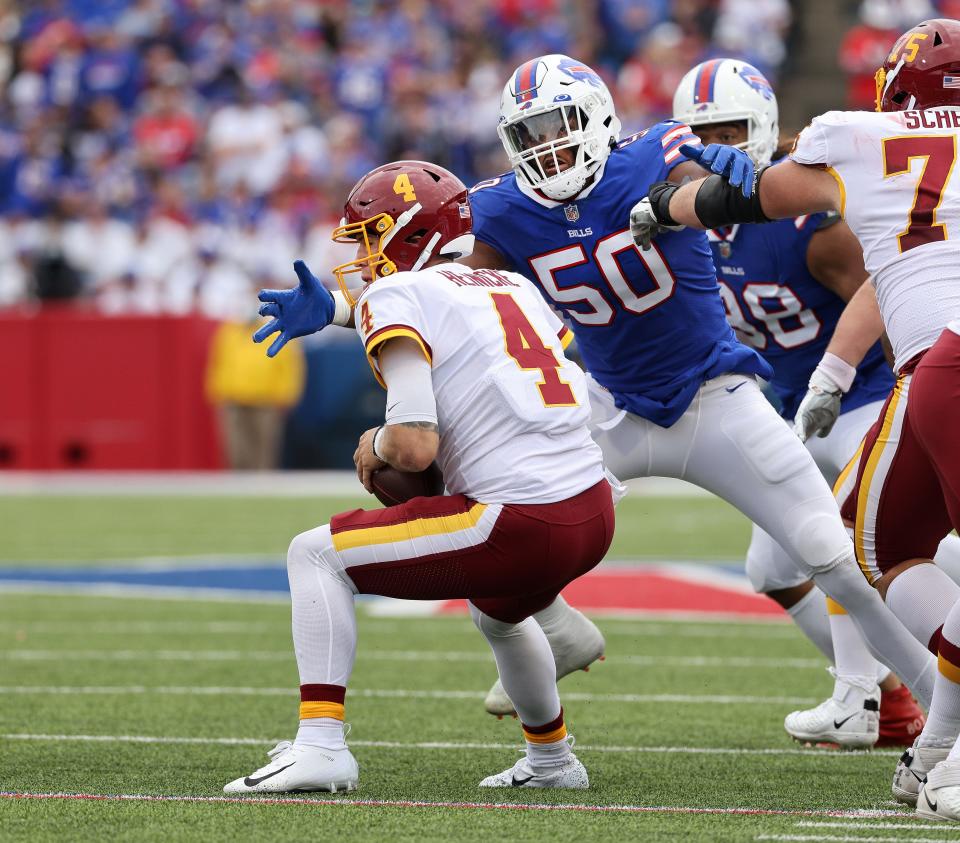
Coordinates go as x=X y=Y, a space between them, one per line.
x=74 y=529
x=173 y=698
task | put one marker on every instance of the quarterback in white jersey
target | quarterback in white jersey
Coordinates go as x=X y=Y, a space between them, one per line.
x=511 y=409
x=893 y=177
x=476 y=380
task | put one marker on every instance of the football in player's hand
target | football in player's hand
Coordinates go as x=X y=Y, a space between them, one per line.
x=393 y=487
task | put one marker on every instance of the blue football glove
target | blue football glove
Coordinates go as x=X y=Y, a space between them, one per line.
x=304 y=310
x=728 y=162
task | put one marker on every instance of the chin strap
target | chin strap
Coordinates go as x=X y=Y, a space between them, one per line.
x=425 y=254
x=402 y=220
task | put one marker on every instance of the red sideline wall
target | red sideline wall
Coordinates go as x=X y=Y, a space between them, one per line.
x=80 y=390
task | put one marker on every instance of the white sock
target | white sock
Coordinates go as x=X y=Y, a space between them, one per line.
x=548 y=754
x=810 y=614
x=943 y=719
x=321 y=731
x=921 y=597
x=947 y=557
x=851 y=658
x=525 y=664
x=886 y=636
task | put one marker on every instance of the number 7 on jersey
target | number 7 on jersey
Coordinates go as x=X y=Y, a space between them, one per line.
x=939 y=153
x=525 y=346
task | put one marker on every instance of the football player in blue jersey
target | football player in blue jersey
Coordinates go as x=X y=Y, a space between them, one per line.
x=673 y=392
x=784 y=286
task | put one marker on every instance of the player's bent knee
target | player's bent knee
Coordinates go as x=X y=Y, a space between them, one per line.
x=818 y=536
x=313 y=548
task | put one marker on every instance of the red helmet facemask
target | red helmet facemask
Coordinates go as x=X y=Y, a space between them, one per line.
x=403 y=213
x=923 y=68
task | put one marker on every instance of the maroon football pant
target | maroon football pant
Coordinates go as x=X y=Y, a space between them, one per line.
x=509 y=560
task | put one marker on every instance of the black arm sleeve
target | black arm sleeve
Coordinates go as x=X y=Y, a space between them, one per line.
x=720 y=203
x=660 y=194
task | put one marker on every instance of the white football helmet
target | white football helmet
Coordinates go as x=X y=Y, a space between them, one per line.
x=553 y=103
x=726 y=91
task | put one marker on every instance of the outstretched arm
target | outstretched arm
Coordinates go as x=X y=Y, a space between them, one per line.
x=307 y=308
x=786 y=190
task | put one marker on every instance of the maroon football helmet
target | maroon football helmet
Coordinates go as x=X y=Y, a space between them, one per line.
x=923 y=68
x=404 y=213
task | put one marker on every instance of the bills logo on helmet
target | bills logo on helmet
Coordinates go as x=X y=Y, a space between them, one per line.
x=756 y=80
x=572 y=213
x=525 y=82
x=579 y=72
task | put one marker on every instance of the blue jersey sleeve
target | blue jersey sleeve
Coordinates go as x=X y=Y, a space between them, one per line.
x=490 y=201
x=657 y=149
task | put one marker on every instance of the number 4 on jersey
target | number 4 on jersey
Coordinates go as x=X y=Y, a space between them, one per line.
x=524 y=345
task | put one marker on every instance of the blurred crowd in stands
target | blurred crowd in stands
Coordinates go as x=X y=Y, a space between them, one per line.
x=172 y=156
x=175 y=155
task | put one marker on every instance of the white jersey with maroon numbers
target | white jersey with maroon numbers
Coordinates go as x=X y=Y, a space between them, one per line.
x=900 y=189
x=512 y=410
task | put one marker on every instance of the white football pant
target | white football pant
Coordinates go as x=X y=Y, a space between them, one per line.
x=731 y=442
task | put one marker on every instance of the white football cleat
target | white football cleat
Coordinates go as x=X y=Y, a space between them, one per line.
x=294 y=768
x=571 y=775
x=575 y=647
x=939 y=796
x=850 y=718
x=912 y=769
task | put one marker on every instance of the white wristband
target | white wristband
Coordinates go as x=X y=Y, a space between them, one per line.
x=342 y=309
x=838 y=370
x=378 y=440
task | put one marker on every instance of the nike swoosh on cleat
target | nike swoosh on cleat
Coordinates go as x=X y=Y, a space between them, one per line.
x=250 y=782
x=515 y=782
x=734 y=388
x=933 y=805
x=837 y=724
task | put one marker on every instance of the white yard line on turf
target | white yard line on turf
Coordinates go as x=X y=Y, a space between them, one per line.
x=395 y=693
x=391 y=655
x=324 y=801
x=451 y=745
x=833 y=838
x=924 y=826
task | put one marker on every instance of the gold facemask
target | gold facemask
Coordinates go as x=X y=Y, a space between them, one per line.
x=881 y=80
x=364 y=232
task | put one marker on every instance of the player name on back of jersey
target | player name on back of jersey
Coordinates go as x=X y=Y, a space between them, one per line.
x=932 y=118
x=477 y=278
